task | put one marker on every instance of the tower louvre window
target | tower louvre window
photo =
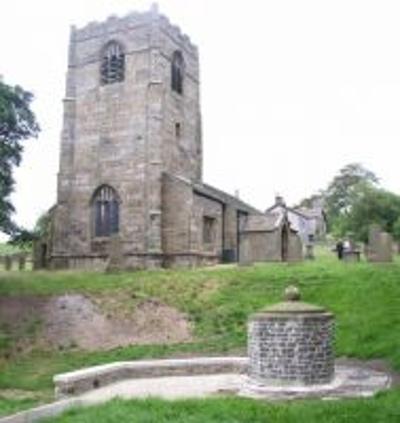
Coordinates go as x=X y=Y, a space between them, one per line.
x=105 y=205
x=178 y=131
x=177 y=71
x=112 y=63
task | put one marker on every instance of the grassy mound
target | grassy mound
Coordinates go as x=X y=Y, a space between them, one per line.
x=218 y=301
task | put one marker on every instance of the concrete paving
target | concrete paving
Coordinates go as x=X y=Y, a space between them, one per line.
x=174 y=387
x=348 y=382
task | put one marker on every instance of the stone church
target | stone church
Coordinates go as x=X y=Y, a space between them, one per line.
x=130 y=184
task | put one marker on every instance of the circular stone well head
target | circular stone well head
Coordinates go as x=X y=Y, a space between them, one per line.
x=291 y=343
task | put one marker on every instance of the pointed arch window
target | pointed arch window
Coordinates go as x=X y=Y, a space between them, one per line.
x=112 y=63
x=105 y=207
x=177 y=72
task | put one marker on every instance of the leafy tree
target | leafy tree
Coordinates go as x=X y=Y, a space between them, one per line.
x=373 y=205
x=396 y=229
x=344 y=190
x=24 y=237
x=17 y=123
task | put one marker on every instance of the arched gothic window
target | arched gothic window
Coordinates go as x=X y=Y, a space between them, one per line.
x=112 y=63
x=177 y=71
x=105 y=206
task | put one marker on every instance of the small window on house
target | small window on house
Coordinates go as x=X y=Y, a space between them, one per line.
x=208 y=229
x=177 y=131
x=112 y=63
x=105 y=208
x=177 y=70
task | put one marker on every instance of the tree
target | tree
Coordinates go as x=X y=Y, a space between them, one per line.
x=344 y=190
x=373 y=206
x=17 y=123
x=396 y=229
x=24 y=237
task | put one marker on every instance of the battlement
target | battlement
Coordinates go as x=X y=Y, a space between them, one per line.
x=115 y=24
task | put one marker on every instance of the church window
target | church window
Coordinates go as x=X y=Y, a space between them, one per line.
x=177 y=70
x=208 y=229
x=112 y=63
x=105 y=206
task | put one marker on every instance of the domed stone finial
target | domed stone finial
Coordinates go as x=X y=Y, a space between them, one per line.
x=292 y=293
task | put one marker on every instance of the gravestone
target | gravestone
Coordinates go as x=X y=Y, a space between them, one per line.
x=115 y=257
x=351 y=256
x=310 y=252
x=21 y=261
x=7 y=262
x=380 y=246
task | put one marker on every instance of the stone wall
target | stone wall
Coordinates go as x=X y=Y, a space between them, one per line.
x=266 y=246
x=207 y=208
x=177 y=200
x=295 y=248
x=77 y=382
x=290 y=350
x=185 y=205
x=260 y=247
x=16 y=261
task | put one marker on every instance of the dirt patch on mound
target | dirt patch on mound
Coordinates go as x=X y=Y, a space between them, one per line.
x=78 y=321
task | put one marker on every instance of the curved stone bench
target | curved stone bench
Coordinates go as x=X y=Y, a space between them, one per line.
x=77 y=382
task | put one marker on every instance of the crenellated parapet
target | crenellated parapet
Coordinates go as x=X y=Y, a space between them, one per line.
x=115 y=25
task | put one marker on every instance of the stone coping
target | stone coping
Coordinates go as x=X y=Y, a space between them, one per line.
x=77 y=382
x=293 y=307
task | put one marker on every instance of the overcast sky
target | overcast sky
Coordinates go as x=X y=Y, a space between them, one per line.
x=291 y=90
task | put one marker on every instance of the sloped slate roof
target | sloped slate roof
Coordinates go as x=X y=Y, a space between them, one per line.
x=224 y=197
x=262 y=223
x=309 y=213
x=216 y=194
x=305 y=213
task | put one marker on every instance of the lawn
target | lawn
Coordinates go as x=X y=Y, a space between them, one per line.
x=364 y=297
x=384 y=408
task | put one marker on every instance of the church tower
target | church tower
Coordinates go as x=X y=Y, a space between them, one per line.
x=131 y=114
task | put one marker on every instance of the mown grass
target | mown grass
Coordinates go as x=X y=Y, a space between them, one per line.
x=10 y=406
x=383 y=408
x=364 y=297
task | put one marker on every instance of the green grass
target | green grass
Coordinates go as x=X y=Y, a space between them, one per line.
x=364 y=297
x=383 y=408
x=10 y=406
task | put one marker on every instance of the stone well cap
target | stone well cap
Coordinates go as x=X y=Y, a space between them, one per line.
x=292 y=304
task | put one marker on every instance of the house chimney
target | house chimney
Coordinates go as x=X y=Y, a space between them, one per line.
x=279 y=201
